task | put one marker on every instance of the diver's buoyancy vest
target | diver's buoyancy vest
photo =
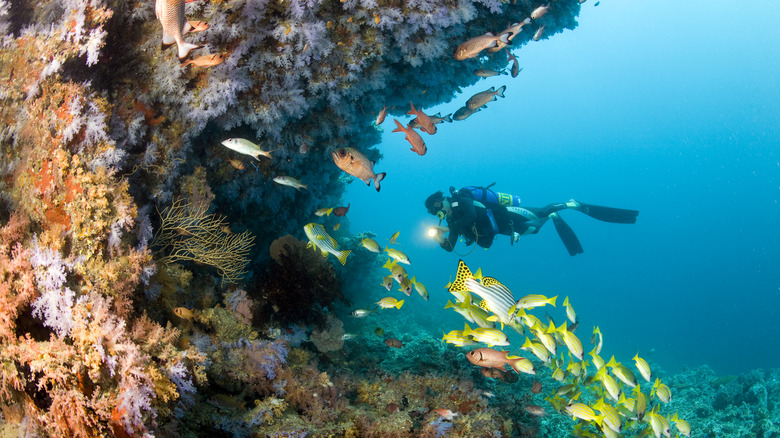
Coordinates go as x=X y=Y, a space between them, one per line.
x=489 y=200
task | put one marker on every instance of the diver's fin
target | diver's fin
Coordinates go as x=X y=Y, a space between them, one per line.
x=567 y=235
x=609 y=214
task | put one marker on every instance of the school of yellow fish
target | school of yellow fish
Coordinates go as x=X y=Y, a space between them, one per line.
x=604 y=394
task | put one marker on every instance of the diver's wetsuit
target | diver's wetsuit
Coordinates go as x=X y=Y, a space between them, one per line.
x=472 y=221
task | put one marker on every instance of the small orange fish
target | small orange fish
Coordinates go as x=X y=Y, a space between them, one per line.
x=381 y=116
x=238 y=164
x=376 y=19
x=418 y=145
x=198 y=26
x=337 y=226
x=446 y=413
x=426 y=124
x=205 y=60
x=184 y=313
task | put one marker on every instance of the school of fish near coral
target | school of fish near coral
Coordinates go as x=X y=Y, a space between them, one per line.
x=153 y=276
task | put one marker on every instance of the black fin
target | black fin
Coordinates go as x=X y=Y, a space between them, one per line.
x=609 y=214
x=567 y=236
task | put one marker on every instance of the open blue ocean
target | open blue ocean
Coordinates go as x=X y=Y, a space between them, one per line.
x=670 y=108
x=194 y=243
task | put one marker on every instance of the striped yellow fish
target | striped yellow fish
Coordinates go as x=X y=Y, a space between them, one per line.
x=682 y=426
x=533 y=300
x=659 y=423
x=370 y=244
x=608 y=415
x=643 y=367
x=319 y=239
x=558 y=374
x=640 y=404
x=581 y=411
x=389 y=303
x=598 y=362
x=596 y=332
x=397 y=255
x=570 y=339
x=546 y=339
x=661 y=391
x=621 y=372
x=570 y=313
x=609 y=383
x=537 y=349
x=488 y=336
x=457 y=338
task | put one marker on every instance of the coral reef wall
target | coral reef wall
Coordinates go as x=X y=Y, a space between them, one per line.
x=101 y=130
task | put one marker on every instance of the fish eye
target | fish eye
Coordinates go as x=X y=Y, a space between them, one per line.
x=342 y=152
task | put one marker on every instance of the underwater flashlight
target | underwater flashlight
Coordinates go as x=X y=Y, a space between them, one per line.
x=432 y=232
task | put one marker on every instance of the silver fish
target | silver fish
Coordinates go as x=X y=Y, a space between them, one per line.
x=487 y=73
x=174 y=24
x=480 y=99
x=539 y=33
x=464 y=112
x=246 y=147
x=472 y=47
x=515 y=30
x=291 y=182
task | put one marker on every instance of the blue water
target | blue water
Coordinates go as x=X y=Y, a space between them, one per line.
x=671 y=108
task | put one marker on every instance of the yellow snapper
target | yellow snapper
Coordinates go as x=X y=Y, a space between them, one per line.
x=642 y=366
x=324 y=211
x=570 y=339
x=387 y=282
x=246 y=147
x=457 y=338
x=489 y=336
x=174 y=24
x=483 y=97
x=356 y=164
x=420 y=288
x=570 y=313
x=290 y=182
x=405 y=286
x=597 y=332
x=394 y=237
x=581 y=411
x=320 y=239
x=389 y=303
x=608 y=414
x=682 y=426
x=531 y=301
x=397 y=271
x=621 y=372
x=370 y=244
x=661 y=391
x=397 y=255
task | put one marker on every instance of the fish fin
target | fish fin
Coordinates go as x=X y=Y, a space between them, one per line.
x=186 y=28
x=460 y=277
x=378 y=178
x=185 y=63
x=400 y=127
x=167 y=41
x=500 y=91
x=399 y=304
x=504 y=38
x=448 y=118
x=185 y=48
x=343 y=256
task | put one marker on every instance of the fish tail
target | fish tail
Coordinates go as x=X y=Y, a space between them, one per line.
x=448 y=118
x=413 y=111
x=552 y=300
x=379 y=177
x=504 y=38
x=342 y=256
x=500 y=91
x=399 y=304
x=185 y=48
x=400 y=127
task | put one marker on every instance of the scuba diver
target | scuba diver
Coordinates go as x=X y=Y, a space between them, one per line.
x=478 y=214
